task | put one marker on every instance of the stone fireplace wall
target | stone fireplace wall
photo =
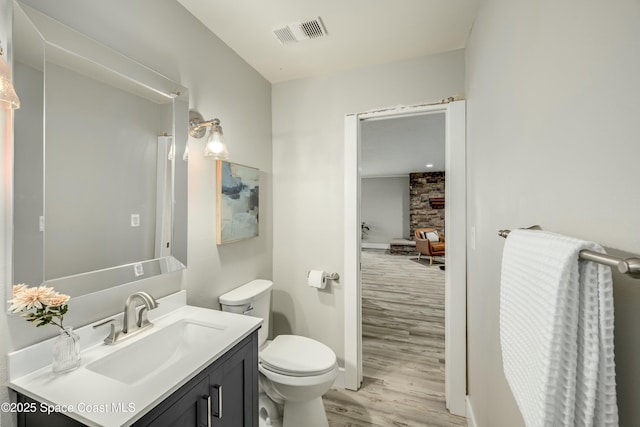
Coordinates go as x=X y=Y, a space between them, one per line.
x=423 y=185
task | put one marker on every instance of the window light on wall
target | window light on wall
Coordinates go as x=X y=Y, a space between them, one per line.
x=8 y=96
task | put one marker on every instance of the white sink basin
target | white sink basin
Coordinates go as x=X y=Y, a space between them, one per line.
x=141 y=371
x=157 y=351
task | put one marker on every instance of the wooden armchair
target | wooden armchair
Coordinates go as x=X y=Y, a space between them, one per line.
x=429 y=242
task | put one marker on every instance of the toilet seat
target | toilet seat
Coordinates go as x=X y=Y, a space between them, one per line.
x=297 y=356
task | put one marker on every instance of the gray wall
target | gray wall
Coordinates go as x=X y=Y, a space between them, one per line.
x=552 y=139
x=163 y=36
x=385 y=208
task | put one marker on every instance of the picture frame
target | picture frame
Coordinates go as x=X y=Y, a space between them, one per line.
x=238 y=202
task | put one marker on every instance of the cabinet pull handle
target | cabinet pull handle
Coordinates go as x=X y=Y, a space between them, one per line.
x=204 y=400
x=218 y=389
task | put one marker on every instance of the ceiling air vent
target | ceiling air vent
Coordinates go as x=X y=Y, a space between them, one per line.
x=297 y=32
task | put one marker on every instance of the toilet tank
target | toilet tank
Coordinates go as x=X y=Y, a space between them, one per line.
x=251 y=299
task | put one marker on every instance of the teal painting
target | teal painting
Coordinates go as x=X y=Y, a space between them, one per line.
x=238 y=197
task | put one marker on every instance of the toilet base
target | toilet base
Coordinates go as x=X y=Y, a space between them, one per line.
x=268 y=411
x=310 y=413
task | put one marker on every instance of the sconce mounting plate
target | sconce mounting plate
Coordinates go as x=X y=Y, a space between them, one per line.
x=195 y=119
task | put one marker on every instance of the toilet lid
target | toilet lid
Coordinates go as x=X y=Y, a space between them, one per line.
x=297 y=356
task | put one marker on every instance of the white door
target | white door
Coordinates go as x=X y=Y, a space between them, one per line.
x=455 y=257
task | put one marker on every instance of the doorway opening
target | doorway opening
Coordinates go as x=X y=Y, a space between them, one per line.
x=455 y=255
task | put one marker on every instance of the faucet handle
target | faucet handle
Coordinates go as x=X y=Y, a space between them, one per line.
x=113 y=333
x=150 y=304
x=143 y=320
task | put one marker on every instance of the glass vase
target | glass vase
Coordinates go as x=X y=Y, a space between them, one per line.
x=66 y=351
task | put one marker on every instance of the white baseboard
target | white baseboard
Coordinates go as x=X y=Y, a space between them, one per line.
x=471 y=418
x=366 y=245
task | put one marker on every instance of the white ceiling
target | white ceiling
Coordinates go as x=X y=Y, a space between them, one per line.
x=359 y=32
x=399 y=146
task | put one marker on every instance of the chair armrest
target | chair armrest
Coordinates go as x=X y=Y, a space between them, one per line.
x=422 y=245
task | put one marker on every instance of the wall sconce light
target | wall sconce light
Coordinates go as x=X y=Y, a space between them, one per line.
x=7 y=92
x=215 y=147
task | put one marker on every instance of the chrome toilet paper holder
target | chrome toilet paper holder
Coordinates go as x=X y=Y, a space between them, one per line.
x=332 y=276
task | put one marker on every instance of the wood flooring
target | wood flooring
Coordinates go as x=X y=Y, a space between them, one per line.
x=403 y=348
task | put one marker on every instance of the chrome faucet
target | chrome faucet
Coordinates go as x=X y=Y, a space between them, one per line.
x=131 y=324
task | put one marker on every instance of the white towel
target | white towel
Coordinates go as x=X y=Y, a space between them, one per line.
x=556 y=331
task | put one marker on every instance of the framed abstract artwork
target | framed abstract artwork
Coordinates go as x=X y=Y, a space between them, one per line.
x=238 y=196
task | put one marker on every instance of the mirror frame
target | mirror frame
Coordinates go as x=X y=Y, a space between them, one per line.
x=57 y=35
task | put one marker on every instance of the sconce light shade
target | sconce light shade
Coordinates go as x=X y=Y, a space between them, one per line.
x=172 y=151
x=8 y=95
x=215 y=147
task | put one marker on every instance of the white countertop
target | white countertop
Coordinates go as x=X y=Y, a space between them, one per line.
x=97 y=400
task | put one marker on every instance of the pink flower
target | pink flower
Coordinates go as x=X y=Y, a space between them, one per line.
x=28 y=298
x=50 y=306
x=57 y=300
x=18 y=288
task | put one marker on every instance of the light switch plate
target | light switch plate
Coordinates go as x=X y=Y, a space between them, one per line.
x=138 y=270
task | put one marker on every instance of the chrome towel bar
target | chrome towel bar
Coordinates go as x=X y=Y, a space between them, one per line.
x=629 y=266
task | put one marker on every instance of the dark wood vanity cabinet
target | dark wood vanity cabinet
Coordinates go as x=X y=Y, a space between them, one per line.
x=226 y=392
x=183 y=408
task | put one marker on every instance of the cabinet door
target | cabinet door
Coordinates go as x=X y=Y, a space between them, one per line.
x=190 y=410
x=38 y=418
x=234 y=389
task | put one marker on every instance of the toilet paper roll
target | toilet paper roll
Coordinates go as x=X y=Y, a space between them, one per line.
x=317 y=279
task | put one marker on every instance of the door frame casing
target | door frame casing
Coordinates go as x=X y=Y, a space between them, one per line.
x=455 y=256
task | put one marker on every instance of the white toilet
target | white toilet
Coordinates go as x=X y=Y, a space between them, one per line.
x=295 y=371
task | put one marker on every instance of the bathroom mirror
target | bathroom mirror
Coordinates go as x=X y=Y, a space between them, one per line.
x=100 y=183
